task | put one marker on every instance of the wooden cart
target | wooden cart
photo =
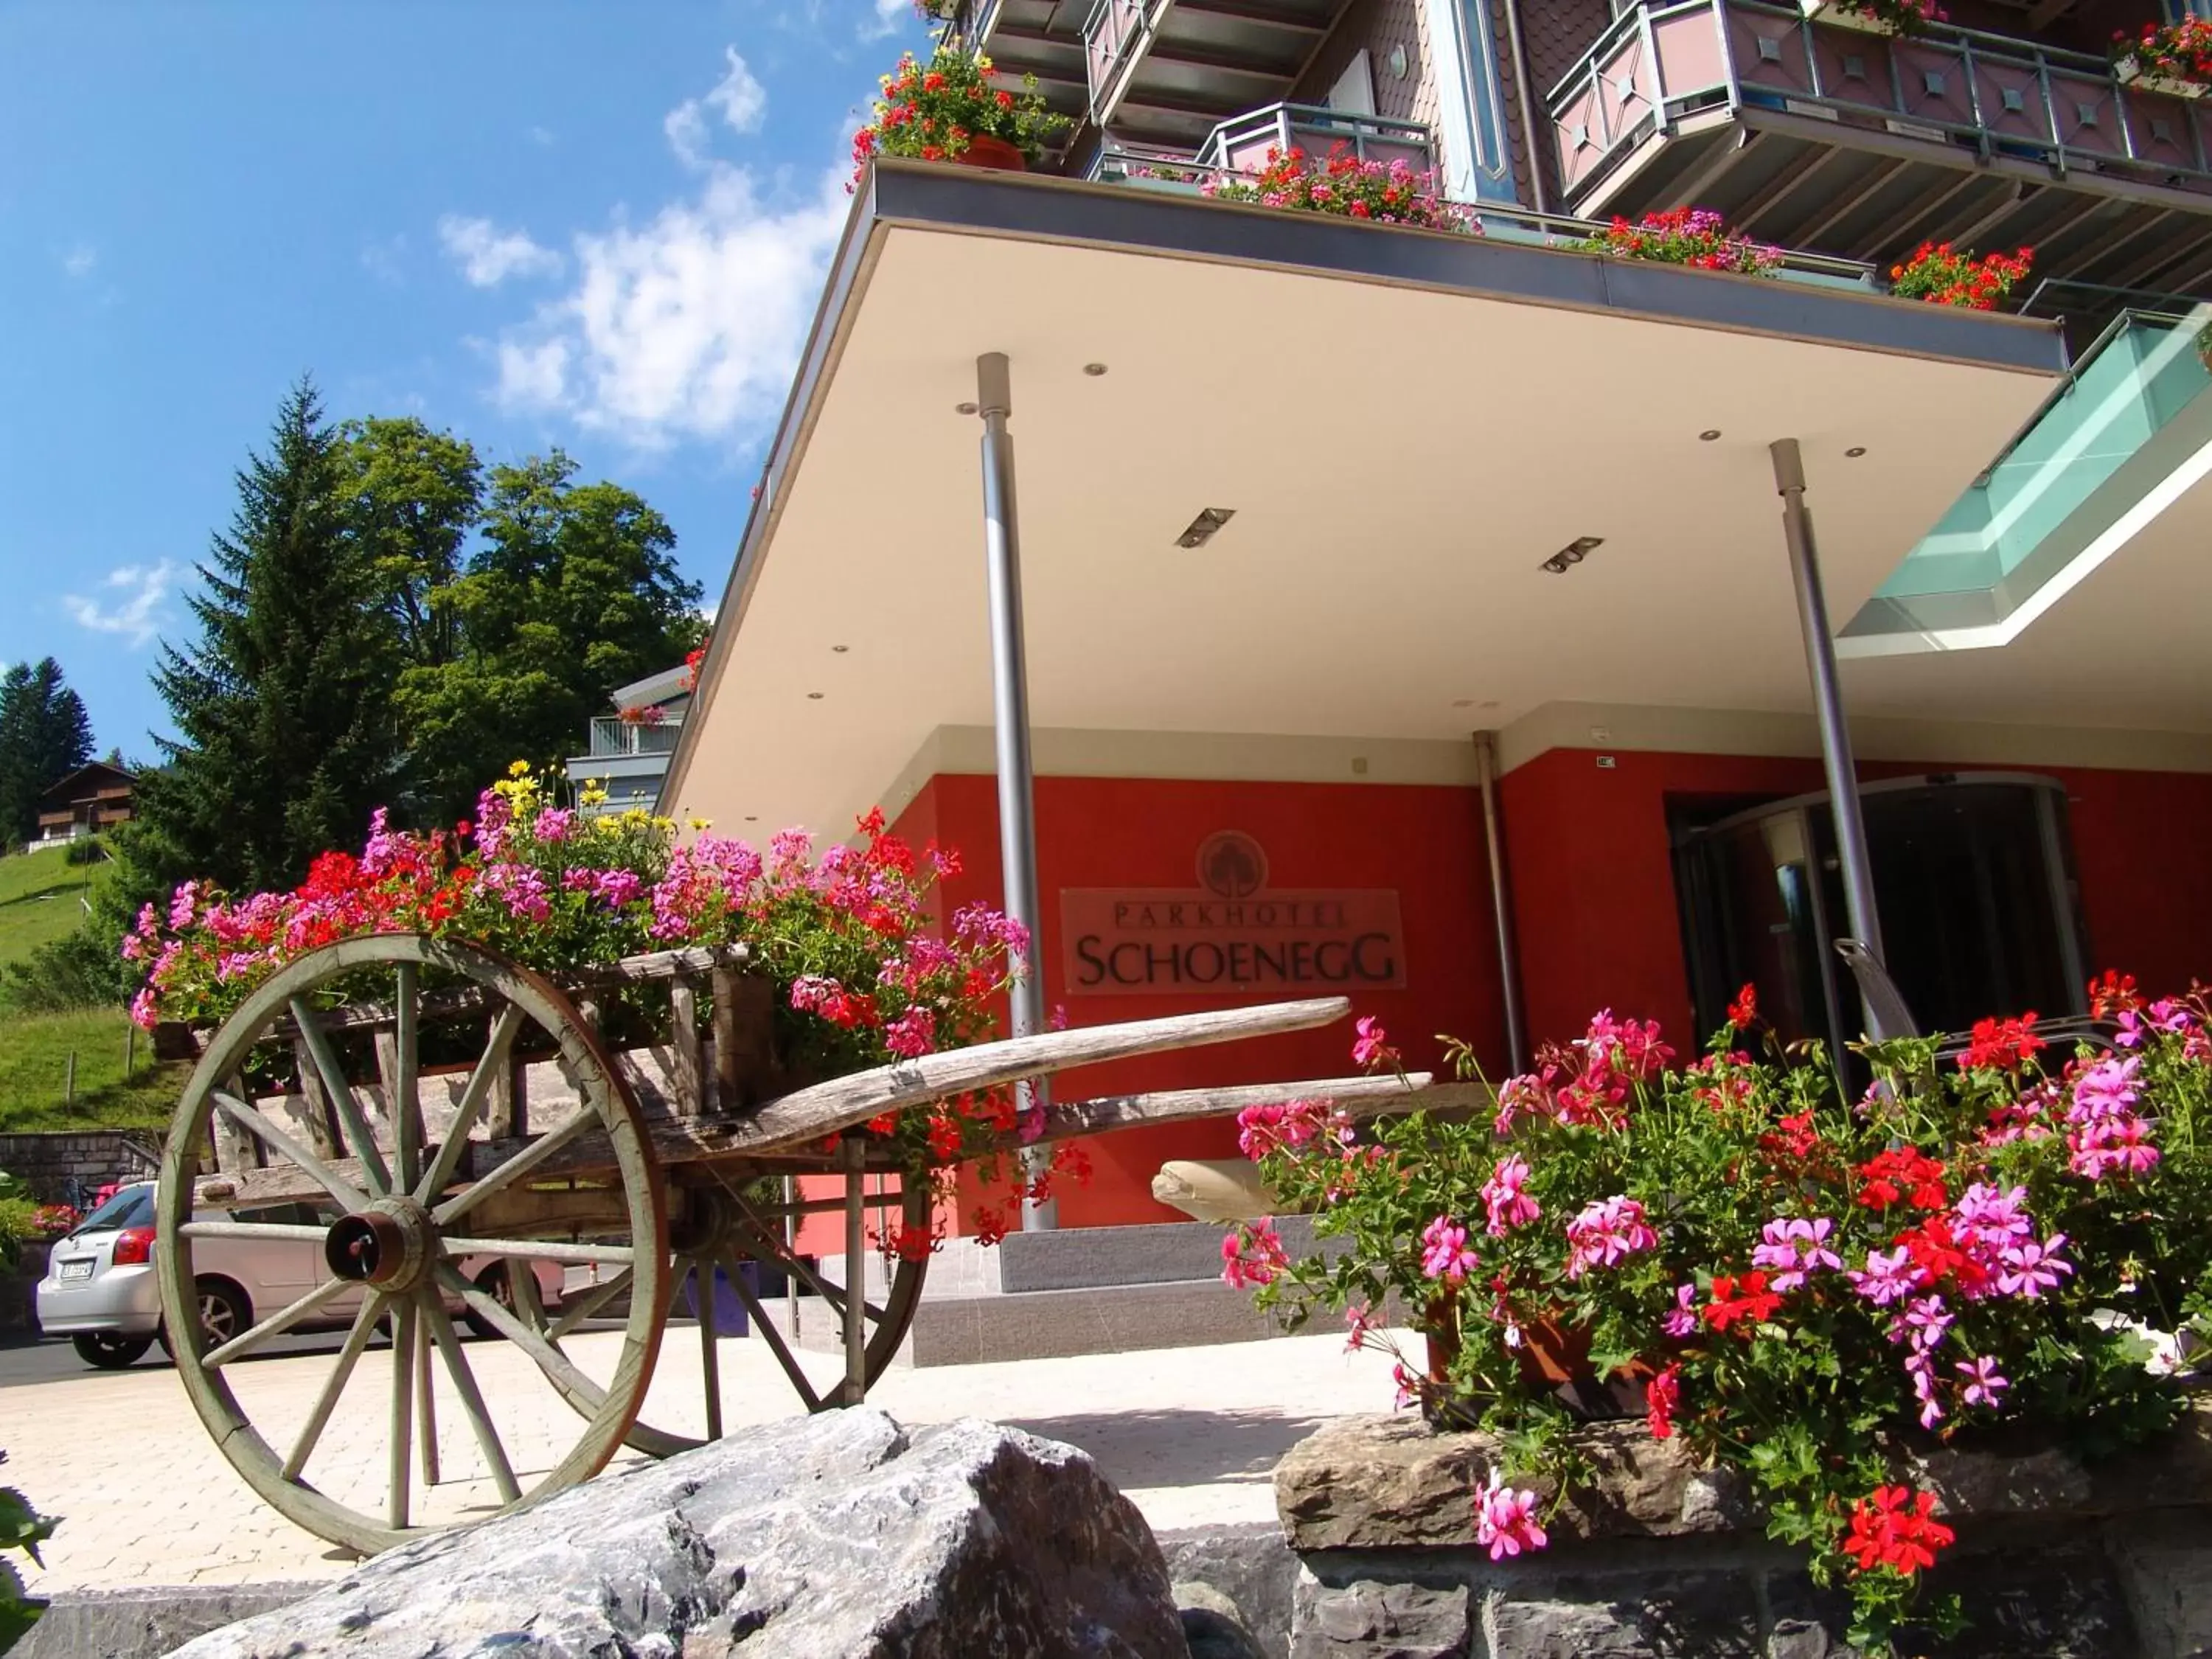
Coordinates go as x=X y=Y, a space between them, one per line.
x=452 y=1145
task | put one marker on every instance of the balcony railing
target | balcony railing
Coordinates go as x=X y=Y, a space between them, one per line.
x=612 y=737
x=1156 y=168
x=1241 y=145
x=1661 y=62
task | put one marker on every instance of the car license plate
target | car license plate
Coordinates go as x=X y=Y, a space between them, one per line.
x=77 y=1269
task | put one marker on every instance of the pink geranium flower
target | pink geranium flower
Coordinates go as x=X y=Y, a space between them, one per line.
x=1501 y=1196
x=1445 y=1254
x=1505 y=1520
x=1606 y=1233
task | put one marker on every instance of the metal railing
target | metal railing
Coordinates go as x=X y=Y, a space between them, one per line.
x=1164 y=170
x=1996 y=94
x=613 y=736
x=1113 y=39
x=1317 y=129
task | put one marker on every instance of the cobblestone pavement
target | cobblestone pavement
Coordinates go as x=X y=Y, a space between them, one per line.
x=1191 y=1434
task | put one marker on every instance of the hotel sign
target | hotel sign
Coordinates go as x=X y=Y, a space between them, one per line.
x=1231 y=934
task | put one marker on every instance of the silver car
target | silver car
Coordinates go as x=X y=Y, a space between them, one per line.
x=102 y=1292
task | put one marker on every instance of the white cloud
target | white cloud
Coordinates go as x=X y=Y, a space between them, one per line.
x=685 y=326
x=79 y=260
x=488 y=256
x=542 y=137
x=738 y=97
x=131 y=602
x=890 y=14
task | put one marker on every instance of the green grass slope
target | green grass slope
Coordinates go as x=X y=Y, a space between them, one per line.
x=40 y=899
x=40 y=902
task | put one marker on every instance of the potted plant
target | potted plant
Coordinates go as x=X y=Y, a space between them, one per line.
x=1685 y=236
x=646 y=714
x=1814 y=1286
x=1348 y=187
x=950 y=109
x=2174 y=58
x=1875 y=16
x=1938 y=275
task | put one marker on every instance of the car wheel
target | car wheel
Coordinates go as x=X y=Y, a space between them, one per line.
x=109 y=1352
x=224 y=1313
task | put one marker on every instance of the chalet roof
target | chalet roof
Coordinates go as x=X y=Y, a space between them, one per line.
x=85 y=781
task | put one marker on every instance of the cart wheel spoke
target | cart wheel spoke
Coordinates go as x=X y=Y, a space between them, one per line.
x=495 y=1056
x=277 y=1323
x=710 y=1357
x=516 y=1167
x=575 y=1311
x=472 y=1400
x=766 y=1326
x=405 y=1106
x=344 y=1101
x=319 y=1417
x=405 y=1336
x=603 y=1255
x=559 y=1369
x=256 y=1123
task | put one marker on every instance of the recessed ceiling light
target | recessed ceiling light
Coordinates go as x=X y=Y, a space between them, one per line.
x=963 y=409
x=1094 y=370
x=814 y=697
x=1462 y=702
x=1572 y=554
x=1202 y=528
x=752 y=818
x=1855 y=451
x=841 y=649
x=1709 y=435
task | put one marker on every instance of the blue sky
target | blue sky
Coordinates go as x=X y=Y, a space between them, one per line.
x=600 y=226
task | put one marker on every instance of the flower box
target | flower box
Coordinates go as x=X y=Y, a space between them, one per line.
x=2132 y=74
x=1828 y=11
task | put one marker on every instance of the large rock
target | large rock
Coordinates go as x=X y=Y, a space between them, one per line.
x=839 y=1536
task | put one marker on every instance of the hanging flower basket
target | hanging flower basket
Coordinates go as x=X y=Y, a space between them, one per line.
x=950 y=109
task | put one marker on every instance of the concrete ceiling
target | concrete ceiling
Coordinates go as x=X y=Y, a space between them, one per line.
x=1401 y=462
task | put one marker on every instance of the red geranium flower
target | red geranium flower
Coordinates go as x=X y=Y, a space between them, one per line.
x=1894 y=1527
x=1903 y=1175
x=2004 y=1045
x=1755 y=1303
x=1743 y=1012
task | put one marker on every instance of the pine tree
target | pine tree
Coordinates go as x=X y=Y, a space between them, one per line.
x=45 y=735
x=283 y=701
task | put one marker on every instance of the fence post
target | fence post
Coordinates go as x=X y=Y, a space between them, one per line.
x=69 y=1086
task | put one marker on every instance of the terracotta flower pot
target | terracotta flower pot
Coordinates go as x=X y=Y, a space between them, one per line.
x=985 y=151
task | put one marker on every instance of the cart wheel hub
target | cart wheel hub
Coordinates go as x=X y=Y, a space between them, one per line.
x=391 y=1245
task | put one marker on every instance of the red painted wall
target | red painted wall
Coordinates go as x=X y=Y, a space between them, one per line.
x=1594 y=895
x=1594 y=889
x=1424 y=842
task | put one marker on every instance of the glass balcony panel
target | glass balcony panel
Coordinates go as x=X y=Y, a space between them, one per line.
x=612 y=737
x=2141 y=391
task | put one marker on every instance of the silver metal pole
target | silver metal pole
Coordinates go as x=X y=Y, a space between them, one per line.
x=1828 y=703
x=1501 y=902
x=1010 y=710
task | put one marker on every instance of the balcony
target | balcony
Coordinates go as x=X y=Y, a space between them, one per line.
x=1167 y=71
x=1031 y=37
x=613 y=738
x=1810 y=134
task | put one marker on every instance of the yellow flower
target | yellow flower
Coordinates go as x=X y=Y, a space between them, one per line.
x=700 y=823
x=519 y=769
x=591 y=794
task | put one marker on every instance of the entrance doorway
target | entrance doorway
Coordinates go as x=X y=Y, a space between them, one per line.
x=1973 y=875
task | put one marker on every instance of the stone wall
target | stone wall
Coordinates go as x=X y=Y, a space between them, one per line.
x=49 y=1163
x=2054 y=1560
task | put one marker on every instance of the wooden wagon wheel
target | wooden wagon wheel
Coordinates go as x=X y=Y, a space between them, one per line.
x=721 y=1229
x=399 y=1216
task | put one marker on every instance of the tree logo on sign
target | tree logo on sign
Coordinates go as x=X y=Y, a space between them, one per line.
x=1230 y=865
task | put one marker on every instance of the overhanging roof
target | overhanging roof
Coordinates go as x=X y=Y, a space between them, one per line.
x=1407 y=425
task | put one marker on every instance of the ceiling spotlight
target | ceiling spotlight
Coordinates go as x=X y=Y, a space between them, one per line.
x=1203 y=526
x=814 y=697
x=1094 y=370
x=841 y=649
x=1709 y=435
x=1855 y=452
x=1572 y=554
x=963 y=409
x=752 y=818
